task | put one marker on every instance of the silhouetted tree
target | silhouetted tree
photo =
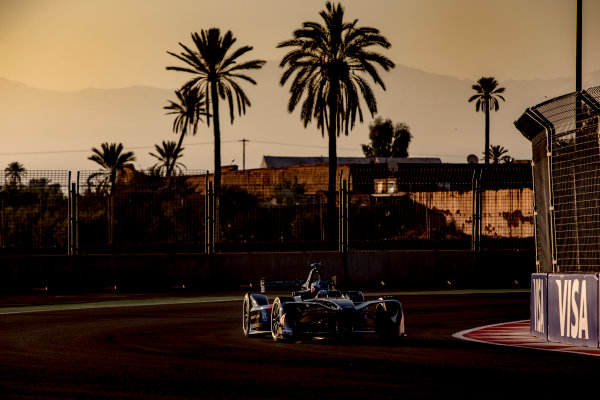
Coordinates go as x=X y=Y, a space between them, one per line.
x=387 y=139
x=331 y=62
x=498 y=154
x=167 y=157
x=216 y=70
x=187 y=111
x=487 y=97
x=14 y=173
x=113 y=160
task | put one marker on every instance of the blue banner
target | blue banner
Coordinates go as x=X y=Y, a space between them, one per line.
x=573 y=309
x=538 y=309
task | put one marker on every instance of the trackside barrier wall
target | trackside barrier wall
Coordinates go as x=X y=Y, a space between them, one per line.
x=233 y=271
x=565 y=307
x=538 y=322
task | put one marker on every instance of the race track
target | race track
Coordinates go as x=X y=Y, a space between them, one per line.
x=196 y=350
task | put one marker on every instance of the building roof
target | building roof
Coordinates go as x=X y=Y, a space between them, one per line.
x=279 y=162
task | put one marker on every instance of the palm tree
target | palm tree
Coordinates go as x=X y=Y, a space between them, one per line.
x=113 y=160
x=188 y=110
x=14 y=173
x=331 y=62
x=216 y=70
x=487 y=97
x=498 y=154
x=167 y=157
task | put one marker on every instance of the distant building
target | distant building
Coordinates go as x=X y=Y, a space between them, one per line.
x=279 y=162
x=263 y=182
x=446 y=192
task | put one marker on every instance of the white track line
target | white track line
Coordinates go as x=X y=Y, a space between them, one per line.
x=100 y=305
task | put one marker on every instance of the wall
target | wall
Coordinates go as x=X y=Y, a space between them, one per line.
x=565 y=309
x=390 y=270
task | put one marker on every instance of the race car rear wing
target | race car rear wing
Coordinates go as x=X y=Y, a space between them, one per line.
x=288 y=285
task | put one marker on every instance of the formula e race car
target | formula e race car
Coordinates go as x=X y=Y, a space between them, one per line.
x=319 y=310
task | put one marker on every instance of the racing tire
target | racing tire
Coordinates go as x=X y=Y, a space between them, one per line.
x=275 y=319
x=388 y=320
x=356 y=297
x=276 y=313
x=246 y=315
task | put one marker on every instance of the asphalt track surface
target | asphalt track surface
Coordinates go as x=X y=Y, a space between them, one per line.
x=193 y=349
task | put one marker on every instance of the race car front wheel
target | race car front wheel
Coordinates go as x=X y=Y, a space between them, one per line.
x=246 y=315
x=276 y=319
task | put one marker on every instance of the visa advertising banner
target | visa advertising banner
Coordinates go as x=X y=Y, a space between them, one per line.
x=572 y=312
x=538 y=309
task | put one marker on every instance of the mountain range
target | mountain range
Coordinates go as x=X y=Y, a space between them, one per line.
x=54 y=130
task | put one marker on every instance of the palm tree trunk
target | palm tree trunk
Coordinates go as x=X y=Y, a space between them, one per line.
x=171 y=166
x=487 y=133
x=331 y=193
x=214 y=97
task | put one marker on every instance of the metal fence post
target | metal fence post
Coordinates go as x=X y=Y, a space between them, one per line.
x=343 y=215
x=340 y=217
x=73 y=220
x=69 y=219
x=346 y=217
x=209 y=215
x=476 y=230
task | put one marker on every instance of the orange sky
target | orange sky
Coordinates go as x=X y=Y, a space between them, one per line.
x=69 y=45
x=74 y=44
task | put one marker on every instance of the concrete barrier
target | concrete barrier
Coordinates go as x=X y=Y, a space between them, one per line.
x=538 y=322
x=390 y=269
x=565 y=308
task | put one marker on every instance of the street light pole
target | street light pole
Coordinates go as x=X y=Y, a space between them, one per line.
x=578 y=57
x=244 y=153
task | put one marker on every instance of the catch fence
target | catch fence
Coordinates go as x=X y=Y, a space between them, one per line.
x=34 y=212
x=446 y=206
x=409 y=206
x=566 y=152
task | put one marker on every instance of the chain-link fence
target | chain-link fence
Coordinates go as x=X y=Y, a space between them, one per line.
x=34 y=211
x=138 y=213
x=409 y=206
x=445 y=206
x=274 y=210
x=566 y=151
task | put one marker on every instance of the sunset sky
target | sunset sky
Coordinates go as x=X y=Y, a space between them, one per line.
x=75 y=44
x=69 y=45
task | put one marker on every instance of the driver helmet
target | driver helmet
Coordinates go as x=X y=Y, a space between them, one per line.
x=317 y=286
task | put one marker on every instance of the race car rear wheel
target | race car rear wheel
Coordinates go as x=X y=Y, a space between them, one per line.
x=355 y=296
x=246 y=315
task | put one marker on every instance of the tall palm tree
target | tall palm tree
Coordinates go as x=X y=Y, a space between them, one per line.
x=167 y=157
x=14 y=173
x=188 y=111
x=331 y=63
x=216 y=71
x=113 y=160
x=487 y=97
